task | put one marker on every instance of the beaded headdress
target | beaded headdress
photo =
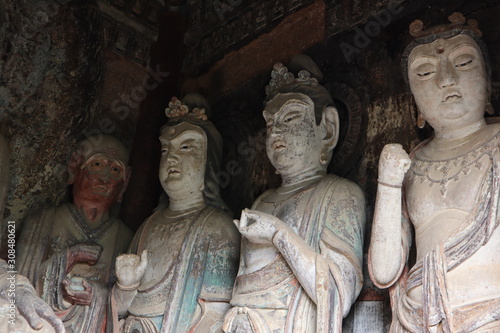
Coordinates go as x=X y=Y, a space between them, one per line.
x=281 y=77
x=457 y=21
x=177 y=109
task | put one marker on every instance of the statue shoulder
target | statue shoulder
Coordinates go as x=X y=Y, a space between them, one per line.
x=264 y=195
x=220 y=222
x=345 y=201
x=341 y=187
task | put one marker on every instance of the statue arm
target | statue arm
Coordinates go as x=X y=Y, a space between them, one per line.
x=339 y=257
x=388 y=247
x=218 y=279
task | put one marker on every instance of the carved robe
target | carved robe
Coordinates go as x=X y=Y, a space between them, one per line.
x=190 y=260
x=42 y=258
x=329 y=215
x=436 y=313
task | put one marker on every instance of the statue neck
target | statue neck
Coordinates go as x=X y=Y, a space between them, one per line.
x=93 y=213
x=196 y=200
x=456 y=135
x=303 y=177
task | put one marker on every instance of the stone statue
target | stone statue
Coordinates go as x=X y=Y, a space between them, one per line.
x=189 y=251
x=448 y=188
x=29 y=313
x=68 y=252
x=21 y=309
x=301 y=253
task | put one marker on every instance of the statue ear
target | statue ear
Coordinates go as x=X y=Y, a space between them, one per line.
x=330 y=120
x=128 y=172
x=74 y=162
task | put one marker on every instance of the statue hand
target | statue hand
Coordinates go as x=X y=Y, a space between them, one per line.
x=34 y=309
x=130 y=269
x=393 y=164
x=258 y=227
x=77 y=291
x=83 y=252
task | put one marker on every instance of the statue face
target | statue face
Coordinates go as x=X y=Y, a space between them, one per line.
x=449 y=82
x=101 y=179
x=293 y=141
x=183 y=160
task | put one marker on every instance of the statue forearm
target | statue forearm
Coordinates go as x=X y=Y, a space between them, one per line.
x=299 y=256
x=122 y=299
x=386 y=252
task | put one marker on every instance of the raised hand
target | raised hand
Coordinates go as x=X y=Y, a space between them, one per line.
x=258 y=227
x=77 y=291
x=393 y=164
x=130 y=269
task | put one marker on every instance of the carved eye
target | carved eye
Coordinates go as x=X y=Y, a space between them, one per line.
x=463 y=61
x=185 y=147
x=289 y=118
x=425 y=71
x=96 y=165
x=164 y=151
x=116 y=170
x=423 y=74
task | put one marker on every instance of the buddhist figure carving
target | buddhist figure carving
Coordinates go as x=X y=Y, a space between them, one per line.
x=301 y=256
x=68 y=252
x=447 y=190
x=183 y=260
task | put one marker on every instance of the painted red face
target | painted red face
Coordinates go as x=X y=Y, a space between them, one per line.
x=101 y=180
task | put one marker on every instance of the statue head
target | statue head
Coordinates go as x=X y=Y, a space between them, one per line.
x=302 y=122
x=98 y=170
x=191 y=150
x=448 y=72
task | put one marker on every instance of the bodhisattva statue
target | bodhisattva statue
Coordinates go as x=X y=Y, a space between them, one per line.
x=21 y=308
x=68 y=252
x=450 y=192
x=189 y=251
x=301 y=256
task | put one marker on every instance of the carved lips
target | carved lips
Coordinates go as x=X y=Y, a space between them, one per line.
x=173 y=171
x=278 y=145
x=451 y=97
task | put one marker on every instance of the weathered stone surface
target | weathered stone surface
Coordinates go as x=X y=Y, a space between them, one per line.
x=47 y=96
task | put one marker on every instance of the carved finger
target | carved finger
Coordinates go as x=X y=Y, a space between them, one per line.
x=144 y=260
x=33 y=319
x=243 y=219
x=67 y=288
x=47 y=314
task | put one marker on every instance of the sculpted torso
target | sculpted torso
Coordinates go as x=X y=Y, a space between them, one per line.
x=289 y=208
x=443 y=182
x=436 y=217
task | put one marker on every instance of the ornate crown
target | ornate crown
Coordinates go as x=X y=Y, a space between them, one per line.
x=457 y=21
x=177 y=109
x=280 y=77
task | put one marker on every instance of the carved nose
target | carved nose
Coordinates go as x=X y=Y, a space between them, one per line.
x=276 y=130
x=105 y=176
x=172 y=159
x=447 y=76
